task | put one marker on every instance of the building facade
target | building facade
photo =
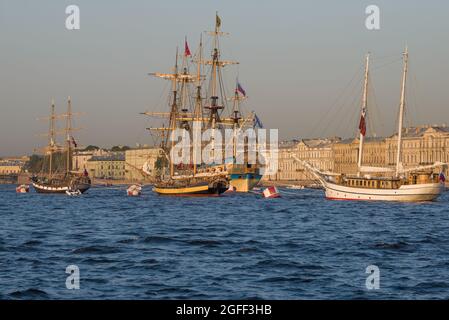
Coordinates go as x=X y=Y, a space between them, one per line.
x=346 y=154
x=110 y=166
x=317 y=152
x=421 y=146
x=10 y=168
x=141 y=163
x=12 y=165
x=80 y=158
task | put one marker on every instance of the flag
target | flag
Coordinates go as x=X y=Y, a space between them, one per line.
x=217 y=21
x=362 y=124
x=240 y=89
x=186 y=49
x=74 y=142
x=257 y=122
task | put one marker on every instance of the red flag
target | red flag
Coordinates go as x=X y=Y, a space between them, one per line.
x=187 y=50
x=74 y=142
x=362 y=125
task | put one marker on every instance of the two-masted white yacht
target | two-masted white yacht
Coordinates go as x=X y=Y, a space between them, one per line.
x=385 y=184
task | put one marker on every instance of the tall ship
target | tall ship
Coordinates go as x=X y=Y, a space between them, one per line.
x=200 y=114
x=56 y=175
x=420 y=183
x=244 y=177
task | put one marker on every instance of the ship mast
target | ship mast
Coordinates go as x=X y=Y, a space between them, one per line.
x=401 y=111
x=173 y=113
x=68 y=132
x=51 y=142
x=198 y=107
x=236 y=120
x=363 y=115
x=214 y=107
x=216 y=64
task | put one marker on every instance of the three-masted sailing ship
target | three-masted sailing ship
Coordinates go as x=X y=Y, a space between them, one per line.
x=199 y=178
x=52 y=179
x=377 y=183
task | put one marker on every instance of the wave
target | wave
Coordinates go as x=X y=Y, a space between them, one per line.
x=394 y=245
x=31 y=293
x=31 y=243
x=95 y=249
x=128 y=240
x=158 y=239
x=204 y=242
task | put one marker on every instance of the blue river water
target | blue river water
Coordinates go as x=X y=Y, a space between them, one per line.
x=300 y=246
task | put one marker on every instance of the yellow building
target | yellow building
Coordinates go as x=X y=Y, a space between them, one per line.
x=318 y=152
x=10 y=168
x=288 y=169
x=12 y=165
x=422 y=145
x=140 y=163
x=80 y=158
x=110 y=166
x=346 y=154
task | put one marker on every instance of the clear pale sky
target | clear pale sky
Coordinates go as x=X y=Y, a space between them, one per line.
x=297 y=58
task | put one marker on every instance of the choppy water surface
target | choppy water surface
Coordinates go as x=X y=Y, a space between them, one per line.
x=300 y=246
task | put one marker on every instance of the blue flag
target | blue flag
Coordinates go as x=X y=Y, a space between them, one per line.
x=240 y=89
x=257 y=122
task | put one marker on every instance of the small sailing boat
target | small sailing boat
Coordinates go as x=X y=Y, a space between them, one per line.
x=53 y=181
x=23 y=188
x=399 y=184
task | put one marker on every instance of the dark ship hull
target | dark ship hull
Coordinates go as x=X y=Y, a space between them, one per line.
x=204 y=188
x=62 y=185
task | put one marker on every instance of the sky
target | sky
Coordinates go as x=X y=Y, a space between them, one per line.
x=297 y=60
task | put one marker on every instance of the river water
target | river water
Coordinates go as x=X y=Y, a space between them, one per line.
x=300 y=246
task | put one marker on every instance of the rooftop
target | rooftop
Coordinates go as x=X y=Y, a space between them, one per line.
x=111 y=157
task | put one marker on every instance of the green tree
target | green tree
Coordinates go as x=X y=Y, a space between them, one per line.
x=35 y=164
x=119 y=148
x=90 y=148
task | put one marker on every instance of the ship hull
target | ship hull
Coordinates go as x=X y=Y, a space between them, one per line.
x=405 y=193
x=198 y=190
x=244 y=182
x=42 y=187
